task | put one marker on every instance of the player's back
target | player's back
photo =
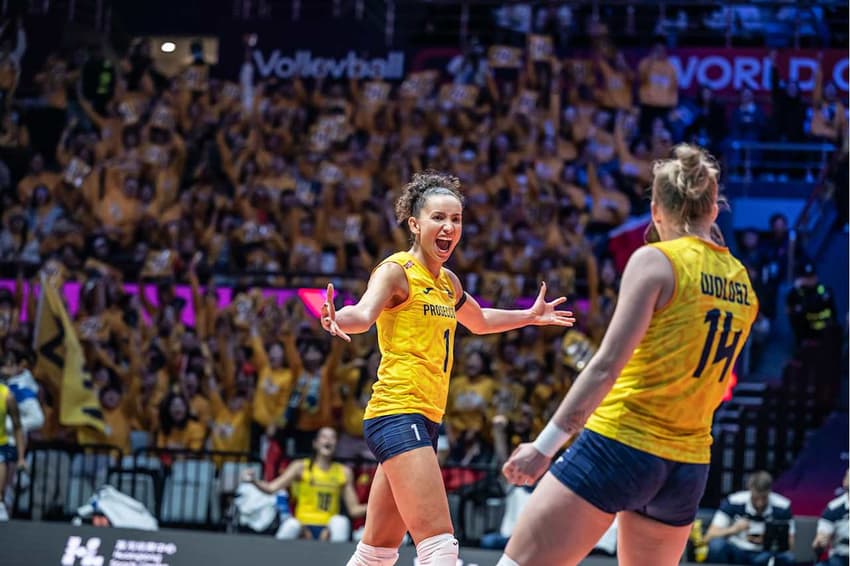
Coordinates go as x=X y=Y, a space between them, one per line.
x=665 y=397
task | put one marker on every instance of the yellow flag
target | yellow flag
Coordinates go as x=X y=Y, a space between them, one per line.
x=60 y=361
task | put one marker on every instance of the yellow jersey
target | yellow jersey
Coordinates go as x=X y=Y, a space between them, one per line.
x=4 y=394
x=319 y=492
x=416 y=340
x=664 y=399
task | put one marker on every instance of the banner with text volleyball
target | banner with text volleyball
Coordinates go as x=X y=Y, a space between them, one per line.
x=60 y=361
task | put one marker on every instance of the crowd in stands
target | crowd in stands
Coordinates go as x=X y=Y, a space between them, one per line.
x=254 y=183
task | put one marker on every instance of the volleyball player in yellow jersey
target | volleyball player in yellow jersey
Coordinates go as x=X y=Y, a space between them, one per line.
x=319 y=485
x=10 y=454
x=646 y=400
x=416 y=303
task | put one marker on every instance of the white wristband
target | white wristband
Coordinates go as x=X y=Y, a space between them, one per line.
x=550 y=439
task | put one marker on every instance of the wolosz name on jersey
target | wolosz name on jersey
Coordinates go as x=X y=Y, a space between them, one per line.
x=722 y=288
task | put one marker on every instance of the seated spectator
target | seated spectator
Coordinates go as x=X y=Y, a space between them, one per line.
x=319 y=485
x=832 y=533
x=737 y=531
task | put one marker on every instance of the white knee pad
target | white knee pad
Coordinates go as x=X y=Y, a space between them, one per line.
x=367 y=555
x=438 y=550
x=506 y=561
x=289 y=530
x=339 y=528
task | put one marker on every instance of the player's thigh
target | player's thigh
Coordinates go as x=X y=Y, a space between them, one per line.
x=641 y=540
x=384 y=525
x=556 y=527
x=419 y=492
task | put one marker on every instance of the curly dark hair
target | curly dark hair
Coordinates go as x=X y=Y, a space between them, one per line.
x=423 y=185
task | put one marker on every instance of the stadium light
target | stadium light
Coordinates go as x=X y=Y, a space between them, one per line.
x=168 y=47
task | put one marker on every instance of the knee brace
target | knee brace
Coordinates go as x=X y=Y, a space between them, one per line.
x=290 y=529
x=367 y=555
x=339 y=528
x=438 y=550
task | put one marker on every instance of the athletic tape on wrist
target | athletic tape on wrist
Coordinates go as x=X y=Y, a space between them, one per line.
x=550 y=439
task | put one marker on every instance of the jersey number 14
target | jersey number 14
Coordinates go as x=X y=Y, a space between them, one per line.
x=725 y=348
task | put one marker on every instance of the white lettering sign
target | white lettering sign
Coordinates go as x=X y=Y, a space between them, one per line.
x=304 y=64
x=737 y=72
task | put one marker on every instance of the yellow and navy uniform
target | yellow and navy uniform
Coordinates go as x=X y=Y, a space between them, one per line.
x=416 y=341
x=666 y=395
x=319 y=493
x=4 y=395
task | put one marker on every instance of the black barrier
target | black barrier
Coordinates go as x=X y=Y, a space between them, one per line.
x=61 y=479
x=195 y=489
x=178 y=487
x=192 y=489
x=33 y=543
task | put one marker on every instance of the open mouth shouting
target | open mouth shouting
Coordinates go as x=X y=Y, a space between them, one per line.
x=444 y=245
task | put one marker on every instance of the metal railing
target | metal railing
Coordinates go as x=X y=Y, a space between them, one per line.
x=195 y=489
x=749 y=162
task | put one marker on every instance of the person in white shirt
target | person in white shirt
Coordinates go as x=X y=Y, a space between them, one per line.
x=833 y=530
x=737 y=531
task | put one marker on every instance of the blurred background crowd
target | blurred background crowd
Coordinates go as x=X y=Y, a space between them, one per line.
x=204 y=190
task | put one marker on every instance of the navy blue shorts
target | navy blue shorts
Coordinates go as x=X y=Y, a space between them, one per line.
x=315 y=531
x=392 y=435
x=614 y=477
x=8 y=453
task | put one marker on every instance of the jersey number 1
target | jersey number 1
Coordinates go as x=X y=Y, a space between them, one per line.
x=446 y=336
x=725 y=350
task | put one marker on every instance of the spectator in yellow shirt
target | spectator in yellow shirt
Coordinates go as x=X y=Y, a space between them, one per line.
x=470 y=397
x=658 y=90
x=178 y=429
x=230 y=425
x=355 y=390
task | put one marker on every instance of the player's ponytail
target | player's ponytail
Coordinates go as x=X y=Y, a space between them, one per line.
x=423 y=185
x=686 y=185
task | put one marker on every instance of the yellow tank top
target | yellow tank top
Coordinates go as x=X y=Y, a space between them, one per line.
x=319 y=492
x=416 y=341
x=4 y=394
x=664 y=399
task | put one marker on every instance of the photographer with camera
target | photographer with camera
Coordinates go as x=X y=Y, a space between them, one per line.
x=752 y=526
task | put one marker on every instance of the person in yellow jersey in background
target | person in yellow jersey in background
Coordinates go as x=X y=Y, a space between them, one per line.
x=417 y=303
x=319 y=486
x=642 y=408
x=8 y=453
